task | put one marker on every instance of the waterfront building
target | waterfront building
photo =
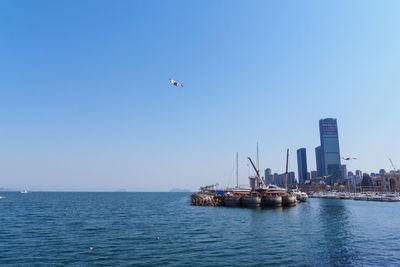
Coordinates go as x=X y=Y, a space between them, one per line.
x=329 y=151
x=388 y=182
x=302 y=165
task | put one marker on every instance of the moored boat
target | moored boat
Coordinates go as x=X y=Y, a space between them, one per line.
x=300 y=196
x=289 y=200
x=272 y=201
x=251 y=201
x=232 y=201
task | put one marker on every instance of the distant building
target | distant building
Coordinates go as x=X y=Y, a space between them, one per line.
x=350 y=177
x=382 y=171
x=357 y=177
x=367 y=183
x=279 y=179
x=318 y=159
x=291 y=178
x=268 y=178
x=302 y=164
x=344 y=171
x=330 y=153
x=314 y=174
x=388 y=182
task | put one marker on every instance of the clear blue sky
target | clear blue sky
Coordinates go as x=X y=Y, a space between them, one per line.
x=85 y=102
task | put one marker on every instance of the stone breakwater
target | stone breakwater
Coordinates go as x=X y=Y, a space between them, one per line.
x=199 y=199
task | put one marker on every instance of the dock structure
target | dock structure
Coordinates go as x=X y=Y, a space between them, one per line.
x=268 y=200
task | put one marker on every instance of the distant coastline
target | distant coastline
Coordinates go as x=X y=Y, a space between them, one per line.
x=179 y=190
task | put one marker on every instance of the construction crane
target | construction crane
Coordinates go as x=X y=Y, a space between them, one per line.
x=257 y=173
x=391 y=163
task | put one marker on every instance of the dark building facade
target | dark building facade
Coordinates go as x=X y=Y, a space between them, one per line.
x=329 y=151
x=302 y=165
x=318 y=160
x=269 y=177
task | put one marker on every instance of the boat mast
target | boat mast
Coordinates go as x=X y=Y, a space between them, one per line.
x=237 y=170
x=286 y=173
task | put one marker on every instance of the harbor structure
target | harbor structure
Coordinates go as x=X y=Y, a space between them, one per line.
x=329 y=152
x=302 y=165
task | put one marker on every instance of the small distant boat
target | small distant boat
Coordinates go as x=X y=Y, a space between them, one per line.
x=390 y=197
x=300 y=196
x=1 y=197
x=24 y=192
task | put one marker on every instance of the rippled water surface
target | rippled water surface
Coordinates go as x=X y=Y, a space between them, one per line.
x=127 y=229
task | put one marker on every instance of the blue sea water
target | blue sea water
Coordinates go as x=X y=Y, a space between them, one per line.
x=147 y=229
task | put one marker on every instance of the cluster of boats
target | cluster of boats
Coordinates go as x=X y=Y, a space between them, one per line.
x=269 y=196
x=367 y=196
x=257 y=195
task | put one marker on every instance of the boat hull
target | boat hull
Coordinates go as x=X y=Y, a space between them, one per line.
x=289 y=200
x=251 y=201
x=230 y=201
x=272 y=201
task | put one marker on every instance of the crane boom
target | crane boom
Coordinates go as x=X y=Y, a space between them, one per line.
x=391 y=163
x=257 y=173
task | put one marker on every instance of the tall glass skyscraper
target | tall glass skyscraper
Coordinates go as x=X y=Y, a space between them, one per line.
x=318 y=159
x=330 y=153
x=302 y=164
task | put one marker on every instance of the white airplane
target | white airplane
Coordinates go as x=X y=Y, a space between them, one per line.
x=173 y=82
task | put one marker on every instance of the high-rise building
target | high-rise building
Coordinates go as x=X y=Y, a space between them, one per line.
x=344 y=171
x=318 y=159
x=330 y=153
x=291 y=178
x=279 y=179
x=302 y=164
x=268 y=178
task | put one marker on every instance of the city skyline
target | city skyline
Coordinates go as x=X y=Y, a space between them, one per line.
x=86 y=103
